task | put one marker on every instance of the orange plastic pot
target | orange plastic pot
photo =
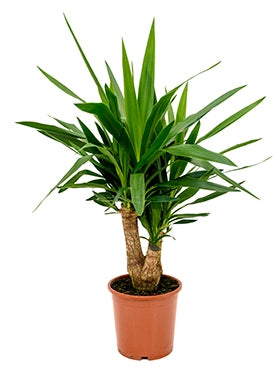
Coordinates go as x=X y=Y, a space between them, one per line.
x=145 y=324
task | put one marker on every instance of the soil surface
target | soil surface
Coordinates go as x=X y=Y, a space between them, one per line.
x=124 y=285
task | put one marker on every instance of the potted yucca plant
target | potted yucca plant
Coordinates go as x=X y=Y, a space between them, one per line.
x=147 y=161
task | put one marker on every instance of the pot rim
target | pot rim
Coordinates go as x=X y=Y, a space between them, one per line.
x=140 y=297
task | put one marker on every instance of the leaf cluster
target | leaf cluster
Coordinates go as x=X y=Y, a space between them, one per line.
x=142 y=152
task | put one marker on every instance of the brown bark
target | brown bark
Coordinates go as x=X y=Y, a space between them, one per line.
x=135 y=257
x=145 y=271
x=152 y=268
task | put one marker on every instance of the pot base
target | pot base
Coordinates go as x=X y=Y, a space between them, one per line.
x=139 y=358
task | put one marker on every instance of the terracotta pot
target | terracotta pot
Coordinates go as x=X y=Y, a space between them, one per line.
x=145 y=324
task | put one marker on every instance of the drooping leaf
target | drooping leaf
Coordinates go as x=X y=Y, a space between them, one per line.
x=70 y=142
x=187 y=181
x=50 y=129
x=76 y=177
x=69 y=173
x=198 y=152
x=93 y=184
x=137 y=188
x=208 y=166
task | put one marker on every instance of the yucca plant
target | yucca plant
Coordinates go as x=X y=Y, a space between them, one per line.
x=144 y=159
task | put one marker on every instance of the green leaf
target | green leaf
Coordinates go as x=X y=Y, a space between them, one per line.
x=209 y=167
x=76 y=177
x=188 y=215
x=113 y=103
x=134 y=124
x=69 y=141
x=250 y=165
x=181 y=222
x=181 y=114
x=230 y=120
x=89 y=135
x=193 y=135
x=158 y=111
x=99 y=87
x=102 y=112
x=117 y=90
x=50 y=129
x=161 y=199
x=153 y=150
x=186 y=181
x=147 y=77
x=93 y=184
x=137 y=188
x=103 y=134
x=114 y=161
x=69 y=173
x=182 y=106
x=239 y=145
x=189 y=121
x=69 y=126
x=207 y=197
x=198 y=152
x=60 y=85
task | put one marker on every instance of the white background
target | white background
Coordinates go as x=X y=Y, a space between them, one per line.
x=55 y=310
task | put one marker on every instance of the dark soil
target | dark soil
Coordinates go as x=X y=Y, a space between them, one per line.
x=124 y=285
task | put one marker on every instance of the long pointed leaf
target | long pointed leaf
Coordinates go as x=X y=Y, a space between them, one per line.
x=69 y=126
x=99 y=87
x=239 y=145
x=188 y=215
x=181 y=114
x=196 y=151
x=147 y=77
x=117 y=90
x=50 y=129
x=181 y=126
x=88 y=134
x=134 y=124
x=190 y=182
x=209 y=167
x=69 y=173
x=60 y=85
x=230 y=120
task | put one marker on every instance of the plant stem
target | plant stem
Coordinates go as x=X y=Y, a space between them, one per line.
x=145 y=271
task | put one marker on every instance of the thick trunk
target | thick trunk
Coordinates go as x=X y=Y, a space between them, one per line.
x=135 y=257
x=152 y=269
x=145 y=271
